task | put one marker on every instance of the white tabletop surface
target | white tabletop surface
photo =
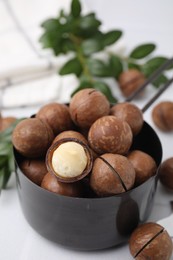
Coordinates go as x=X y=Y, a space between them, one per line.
x=141 y=21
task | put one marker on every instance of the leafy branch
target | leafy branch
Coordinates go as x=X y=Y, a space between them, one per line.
x=81 y=35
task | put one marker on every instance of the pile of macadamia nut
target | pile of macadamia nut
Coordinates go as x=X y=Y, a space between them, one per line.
x=83 y=149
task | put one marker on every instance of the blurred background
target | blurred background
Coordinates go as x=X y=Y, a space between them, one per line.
x=28 y=74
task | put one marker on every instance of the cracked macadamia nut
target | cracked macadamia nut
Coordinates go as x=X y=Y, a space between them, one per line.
x=34 y=169
x=110 y=134
x=130 y=80
x=144 y=165
x=129 y=113
x=69 y=159
x=87 y=105
x=162 y=115
x=51 y=183
x=31 y=137
x=112 y=174
x=57 y=116
x=166 y=173
x=150 y=241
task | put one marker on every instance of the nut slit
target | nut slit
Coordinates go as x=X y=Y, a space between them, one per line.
x=149 y=241
x=91 y=92
x=115 y=172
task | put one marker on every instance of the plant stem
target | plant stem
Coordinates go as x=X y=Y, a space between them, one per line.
x=83 y=60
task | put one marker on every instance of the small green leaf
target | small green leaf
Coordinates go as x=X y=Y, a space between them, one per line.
x=111 y=37
x=134 y=66
x=98 y=68
x=70 y=67
x=50 y=25
x=91 y=46
x=89 y=22
x=162 y=79
x=116 y=66
x=142 y=51
x=104 y=88
x=75 y=8
x=153 y=64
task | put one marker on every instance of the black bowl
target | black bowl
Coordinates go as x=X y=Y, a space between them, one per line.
x=90 y=223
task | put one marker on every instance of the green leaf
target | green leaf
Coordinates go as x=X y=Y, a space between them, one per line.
x=98 y=68
x=116 y=66
x=111 y=37
x=142 y=51
x=5 y=174
x=91 y=46
x=153 y=64
x=89 y=22
x=162 y=79
x=104 y=88
x=50 y=25
x=83 y=85
x=134 y=66
x=3 y=160
x=75 y=8
x=70 y=67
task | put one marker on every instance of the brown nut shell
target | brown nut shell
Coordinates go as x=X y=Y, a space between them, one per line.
x=150 y=241
x=51 y=151
x=57 y=116
x=51 y=183
x=162 y=115
x=109 y=134
x=31 y=137
x=130 y=80
x=70 y=134
x=129 y=113
x=34 y=169
x=166 y=173
x=112 y=174
x=144 y=165
x=87 y=105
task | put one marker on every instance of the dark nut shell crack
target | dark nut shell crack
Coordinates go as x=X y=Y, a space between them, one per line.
x=150 y=241
x=112 y=174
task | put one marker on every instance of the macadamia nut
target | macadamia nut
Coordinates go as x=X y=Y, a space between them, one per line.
x=110 y=134
x=129 y=113
x=69 y=160
x=87 y=105
x=162 y=115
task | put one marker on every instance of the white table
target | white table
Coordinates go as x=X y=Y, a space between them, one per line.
x=147 y=21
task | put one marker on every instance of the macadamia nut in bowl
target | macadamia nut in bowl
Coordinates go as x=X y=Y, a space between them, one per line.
x=69 y=160
x=89 y=223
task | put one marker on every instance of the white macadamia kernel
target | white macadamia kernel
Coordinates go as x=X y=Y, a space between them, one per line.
x=69 y=160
